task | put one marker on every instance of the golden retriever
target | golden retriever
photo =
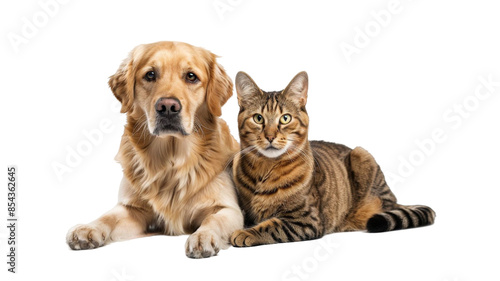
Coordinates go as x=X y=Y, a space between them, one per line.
x=174 y=152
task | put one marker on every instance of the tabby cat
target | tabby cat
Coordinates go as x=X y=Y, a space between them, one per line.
x=291 y=189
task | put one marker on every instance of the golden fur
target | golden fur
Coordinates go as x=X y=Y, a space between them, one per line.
x=175 y=182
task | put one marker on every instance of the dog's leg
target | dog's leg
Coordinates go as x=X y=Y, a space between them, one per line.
x=216 y=228
x=125 y=221
x=214 y=233
x=120 y=223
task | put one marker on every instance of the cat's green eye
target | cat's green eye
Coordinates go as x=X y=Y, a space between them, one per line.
x=258 y=119
x=285 y=119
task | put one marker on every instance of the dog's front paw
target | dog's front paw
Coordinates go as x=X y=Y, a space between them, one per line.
x=202 y=244
x=83 y=237
x=242 y=238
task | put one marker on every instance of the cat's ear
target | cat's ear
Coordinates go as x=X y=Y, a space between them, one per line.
x=297 y=89
x=246 y=89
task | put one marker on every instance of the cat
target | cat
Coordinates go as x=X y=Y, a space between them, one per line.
x=291 y=189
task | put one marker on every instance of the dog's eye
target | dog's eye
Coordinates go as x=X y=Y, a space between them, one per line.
x=285 y=119
x=191 y=77
x=258 y=119
x=150 y=76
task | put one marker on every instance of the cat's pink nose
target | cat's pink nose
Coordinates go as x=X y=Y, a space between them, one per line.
x=270 y=138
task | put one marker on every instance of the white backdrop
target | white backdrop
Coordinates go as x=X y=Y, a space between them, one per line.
x=414 y=82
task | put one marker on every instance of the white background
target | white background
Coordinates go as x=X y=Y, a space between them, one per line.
x=403 y=83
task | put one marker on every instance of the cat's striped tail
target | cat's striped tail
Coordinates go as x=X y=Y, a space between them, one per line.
x=401 y=217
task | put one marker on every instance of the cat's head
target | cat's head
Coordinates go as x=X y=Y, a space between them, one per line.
x=273 y=123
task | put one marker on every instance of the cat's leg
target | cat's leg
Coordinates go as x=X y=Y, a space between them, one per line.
x=375 y=207
x=278 y=230
x=369 y=180
x=370 y=192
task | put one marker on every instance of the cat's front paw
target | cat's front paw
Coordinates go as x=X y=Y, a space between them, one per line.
x=243 y=238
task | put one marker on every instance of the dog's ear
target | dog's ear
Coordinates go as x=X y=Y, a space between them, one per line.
x=122 y=83
x=219 y=88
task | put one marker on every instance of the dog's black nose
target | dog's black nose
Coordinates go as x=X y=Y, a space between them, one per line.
x=168 y=106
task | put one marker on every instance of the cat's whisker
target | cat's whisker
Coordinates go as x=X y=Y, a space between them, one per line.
x=289 y=156
x=242 y=153
x=304 y=156
x=254 y=160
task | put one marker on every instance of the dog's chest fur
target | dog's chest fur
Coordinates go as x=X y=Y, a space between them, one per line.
x=169 y=179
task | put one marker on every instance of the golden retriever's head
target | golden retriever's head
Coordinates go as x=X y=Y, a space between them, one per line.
x=170 y=83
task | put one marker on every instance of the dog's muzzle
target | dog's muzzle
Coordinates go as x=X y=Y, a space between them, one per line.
x=168 y=119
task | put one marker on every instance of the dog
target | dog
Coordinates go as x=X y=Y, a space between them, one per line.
x=174 y=152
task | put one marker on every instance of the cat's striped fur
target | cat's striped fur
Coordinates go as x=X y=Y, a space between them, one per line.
x=291 y=189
